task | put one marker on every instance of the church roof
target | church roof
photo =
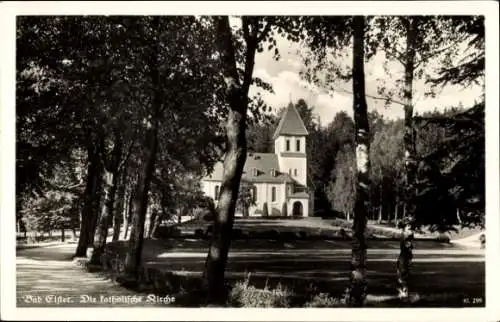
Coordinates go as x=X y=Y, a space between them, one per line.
x=291 y=123
x=263 y=163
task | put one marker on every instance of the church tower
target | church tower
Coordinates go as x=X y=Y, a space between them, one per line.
x=290 y=145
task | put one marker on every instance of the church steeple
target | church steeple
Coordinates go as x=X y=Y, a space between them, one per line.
x=291 y=123
x=290 y=145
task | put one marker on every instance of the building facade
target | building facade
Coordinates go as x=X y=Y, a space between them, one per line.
x=278 y=180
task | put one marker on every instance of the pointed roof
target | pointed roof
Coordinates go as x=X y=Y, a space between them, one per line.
x=291 y=123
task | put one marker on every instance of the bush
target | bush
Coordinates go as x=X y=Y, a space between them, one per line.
x=245 y=295
x=198 y=233
x=443 y=238
x=322 y=300
x=166 y=232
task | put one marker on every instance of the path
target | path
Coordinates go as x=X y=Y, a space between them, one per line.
x=47 y=275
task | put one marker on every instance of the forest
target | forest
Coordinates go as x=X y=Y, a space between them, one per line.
x=119 y=117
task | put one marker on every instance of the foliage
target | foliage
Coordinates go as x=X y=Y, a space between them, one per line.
x=342 y=188
x=246 y=198
x=245 y=295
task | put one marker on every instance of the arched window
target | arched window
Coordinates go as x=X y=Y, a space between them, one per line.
x=216 y=192
x=295 y=172
x=298 y=146
x=273 y=194
x=288 y=145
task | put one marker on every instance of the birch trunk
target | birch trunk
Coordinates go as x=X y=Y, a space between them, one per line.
x=406 y=245
x=234 y=160
x=356 y=292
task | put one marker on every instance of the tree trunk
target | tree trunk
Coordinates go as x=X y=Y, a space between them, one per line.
x=111 y=177
x=152 y=223
x=87 y=212
x=128 y=214
x=119 y=205
x=406 y=245
x=380 y=206
x=357 y=289
x=62 y=235
x=106 y=216
x=97 y=202
x=459 y=220
x=234 y=159
x=73 y=233
x=140 y=204
x=396 y=209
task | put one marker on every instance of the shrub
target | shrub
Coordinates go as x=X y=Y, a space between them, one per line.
x=198 y=233
x=322 y=300
x=208 y=231
x=245 y=295
x=166 y=232
x=443 y=238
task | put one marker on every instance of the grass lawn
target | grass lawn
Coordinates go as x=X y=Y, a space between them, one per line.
x=440 y=271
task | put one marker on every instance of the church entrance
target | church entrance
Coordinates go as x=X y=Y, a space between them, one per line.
x=297 y=209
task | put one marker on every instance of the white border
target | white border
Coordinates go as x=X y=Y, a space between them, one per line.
x=9 y=10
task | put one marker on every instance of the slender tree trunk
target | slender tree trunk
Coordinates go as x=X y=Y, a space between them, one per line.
x=63 y=237
x=111 y=177
x=406 y=245
x=152 y=223
x=459 y=220
x=97 y=203
x=396 y=209
x=88 y=205
x=73 y=233
x=128 y=214
x=357 y=289
x=380 y=206
x=120 y=205
x=235 y=157
x=140 y=204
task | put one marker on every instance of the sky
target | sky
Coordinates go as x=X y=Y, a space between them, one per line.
x=287 y=84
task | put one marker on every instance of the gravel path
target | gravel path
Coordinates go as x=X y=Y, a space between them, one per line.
x=47 y=277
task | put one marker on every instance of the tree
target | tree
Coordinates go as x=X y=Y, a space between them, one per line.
x=182 y=80
x=246 y=198
x=429 y=39
x=342 y=189
x=357 y=290
x=253 y=31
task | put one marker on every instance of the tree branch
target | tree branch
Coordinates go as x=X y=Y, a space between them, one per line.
x=372 y=96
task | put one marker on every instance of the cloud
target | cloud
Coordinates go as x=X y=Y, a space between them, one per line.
x=287 y=84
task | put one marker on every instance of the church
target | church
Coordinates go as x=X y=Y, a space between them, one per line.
x=279 y=180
